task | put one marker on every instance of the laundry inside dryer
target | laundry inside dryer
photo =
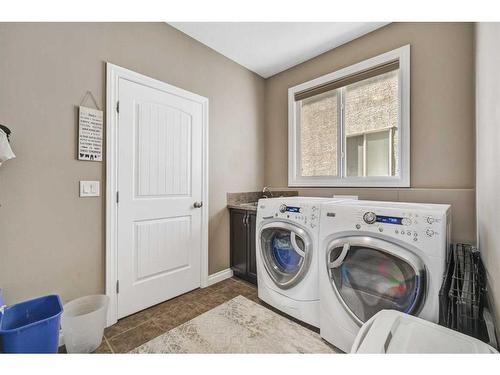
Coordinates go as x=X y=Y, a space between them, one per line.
x=370 y=281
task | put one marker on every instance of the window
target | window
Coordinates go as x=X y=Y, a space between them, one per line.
x=351 y=127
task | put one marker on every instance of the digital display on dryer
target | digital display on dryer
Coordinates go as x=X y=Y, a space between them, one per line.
x=390 y=220
x=292 y=209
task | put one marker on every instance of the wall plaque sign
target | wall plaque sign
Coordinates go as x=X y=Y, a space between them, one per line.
x=90 y=130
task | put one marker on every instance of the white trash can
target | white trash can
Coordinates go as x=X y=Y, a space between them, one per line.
x=83 y=322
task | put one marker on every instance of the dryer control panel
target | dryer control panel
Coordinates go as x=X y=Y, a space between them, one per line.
x=409 y=224
x=426 y=229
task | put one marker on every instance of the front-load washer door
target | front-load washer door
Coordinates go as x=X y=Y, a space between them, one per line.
x=286 y=253
x=370 y=274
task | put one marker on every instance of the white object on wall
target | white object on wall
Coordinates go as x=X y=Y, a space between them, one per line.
x=5 y=150
x=89 y=189
x=487 y=155
x=90 y=134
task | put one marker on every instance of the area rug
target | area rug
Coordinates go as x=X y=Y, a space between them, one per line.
x=238 y=326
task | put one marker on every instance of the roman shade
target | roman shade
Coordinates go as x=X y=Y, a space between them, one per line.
x=347 y=80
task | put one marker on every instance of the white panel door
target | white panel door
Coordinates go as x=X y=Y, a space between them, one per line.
x=160 y=180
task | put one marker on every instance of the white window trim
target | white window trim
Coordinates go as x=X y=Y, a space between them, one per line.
x=403 y=180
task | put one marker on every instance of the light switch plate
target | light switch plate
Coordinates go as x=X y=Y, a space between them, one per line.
x=89 y=189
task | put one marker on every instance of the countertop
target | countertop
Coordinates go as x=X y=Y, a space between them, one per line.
x=248 y=200
x=243 y=206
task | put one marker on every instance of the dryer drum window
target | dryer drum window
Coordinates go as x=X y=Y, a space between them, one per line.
x=369 y=280
x=285 y=254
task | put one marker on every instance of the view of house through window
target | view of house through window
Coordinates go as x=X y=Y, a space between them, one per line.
x=368 y=122
x=371 y=124
x=319 y=132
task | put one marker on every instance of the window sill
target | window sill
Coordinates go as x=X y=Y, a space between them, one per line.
x=375 y=182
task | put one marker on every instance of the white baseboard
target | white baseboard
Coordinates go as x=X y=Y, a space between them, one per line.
x=219 y=276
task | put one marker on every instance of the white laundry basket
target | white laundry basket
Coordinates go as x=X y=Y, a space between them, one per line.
x=83 y=323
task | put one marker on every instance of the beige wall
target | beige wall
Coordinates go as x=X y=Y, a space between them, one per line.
x=52 y=240
x=488 y=154
x=442 y=115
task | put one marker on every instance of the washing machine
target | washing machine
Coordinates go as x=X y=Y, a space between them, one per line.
x=287 y=255
x=376 y=256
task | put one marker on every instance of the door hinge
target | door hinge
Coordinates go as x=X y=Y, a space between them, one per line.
x=117 y=197
x=117 y=286
x=118 y=106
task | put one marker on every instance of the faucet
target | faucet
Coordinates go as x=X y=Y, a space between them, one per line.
x=266 y=193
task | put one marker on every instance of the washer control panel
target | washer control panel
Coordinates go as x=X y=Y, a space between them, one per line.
x=307 y=215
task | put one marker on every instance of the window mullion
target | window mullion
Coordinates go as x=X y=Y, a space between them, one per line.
x=364 y=154
x=342 y=143
x=390 y=151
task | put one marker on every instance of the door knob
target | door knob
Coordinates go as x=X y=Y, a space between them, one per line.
x=197 y=204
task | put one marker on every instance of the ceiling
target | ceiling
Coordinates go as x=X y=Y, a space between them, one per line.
x=268 y=48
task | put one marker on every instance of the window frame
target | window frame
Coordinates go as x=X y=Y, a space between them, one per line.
x=295 y=179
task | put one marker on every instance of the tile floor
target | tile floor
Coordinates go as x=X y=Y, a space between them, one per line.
x=135 y=330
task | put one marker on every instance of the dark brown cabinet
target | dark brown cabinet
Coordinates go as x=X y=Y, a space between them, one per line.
x=242 y=243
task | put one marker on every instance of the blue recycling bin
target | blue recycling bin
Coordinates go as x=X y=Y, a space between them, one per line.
x=31 y=326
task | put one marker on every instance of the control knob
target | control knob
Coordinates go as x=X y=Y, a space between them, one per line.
x=369 y=217
x=406 y=221
x=430 y=220
x=283 y=208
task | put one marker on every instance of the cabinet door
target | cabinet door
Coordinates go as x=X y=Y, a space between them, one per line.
x=238 y=242
x=251 y=262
